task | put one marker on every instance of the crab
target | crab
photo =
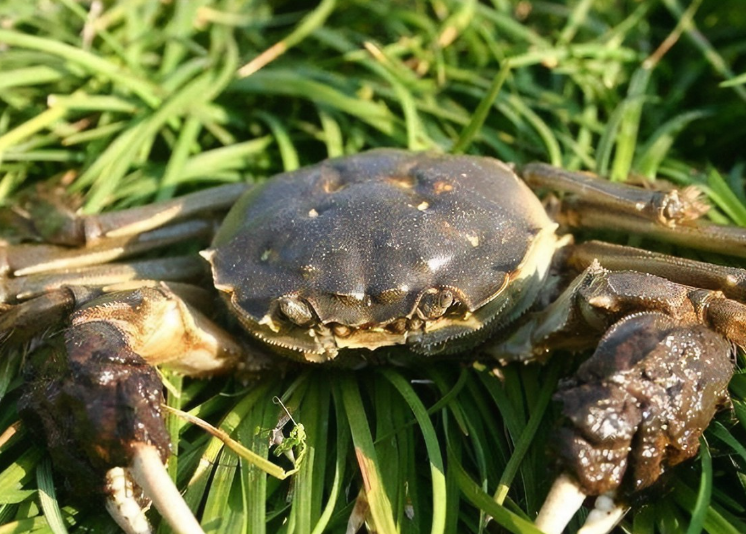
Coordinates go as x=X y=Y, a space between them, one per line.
x=441 y=255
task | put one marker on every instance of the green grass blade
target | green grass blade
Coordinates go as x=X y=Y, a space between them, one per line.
x=380 y=506
x=699 y=511
x=48 y=498
x=479 y=498
x=437 y=470
x=526 y=438
x=93 y=64
x=483 y=109
x=629 y=124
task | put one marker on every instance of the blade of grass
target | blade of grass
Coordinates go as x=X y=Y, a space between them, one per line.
x=717 y=429
x=701 y=42
x=699 y=511
x=649 y=156
x=437 y=470
x=48 y=497
x=713 y=521
x=310 y=22
x=290 y=83
x=526 y=438
x=179 y=155
x=723 y=196
x=22 y=132
x=479 y=498
x=38 y=74
x=95 y=65
x=629 y=124
x=483 y=109
x=308 y=484
x=380 y=506
x=342 y=446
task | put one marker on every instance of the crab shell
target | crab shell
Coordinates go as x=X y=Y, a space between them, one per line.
x=383 y=248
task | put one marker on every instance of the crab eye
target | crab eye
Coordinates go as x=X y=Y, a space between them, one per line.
x=296 y=310
x=445 y=299
x=435 y=303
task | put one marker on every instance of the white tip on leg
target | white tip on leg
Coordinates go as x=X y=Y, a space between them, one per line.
x=122 y=505
x=564 y=499
x=605 y=515
x=150 y=474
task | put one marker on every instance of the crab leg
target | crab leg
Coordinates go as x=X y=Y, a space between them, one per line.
x=563 y=501
x=122 y=505
x=151 y=475
x=665 y=207
x=672 y=216
x=730 y=280
x=730 y=240
x=182 y=268
x=566 y=498
x=72 y=229
x=605 y=515
x=24 y=260
x=137 y=220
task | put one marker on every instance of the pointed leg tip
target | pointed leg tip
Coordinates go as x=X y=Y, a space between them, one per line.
x=564 y=500
x=122 y=504
x=605 y=515
x=149 y=472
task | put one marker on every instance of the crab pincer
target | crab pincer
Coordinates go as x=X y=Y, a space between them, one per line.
x=94 y=394
x=639 y=405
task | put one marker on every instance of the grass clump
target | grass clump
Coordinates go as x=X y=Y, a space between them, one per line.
x=128 y=102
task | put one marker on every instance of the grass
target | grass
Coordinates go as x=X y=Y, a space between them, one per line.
x=142 y=100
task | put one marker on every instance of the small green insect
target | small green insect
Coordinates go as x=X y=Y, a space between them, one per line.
x=296 y=439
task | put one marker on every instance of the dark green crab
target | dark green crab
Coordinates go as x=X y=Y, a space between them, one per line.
x=439 y=254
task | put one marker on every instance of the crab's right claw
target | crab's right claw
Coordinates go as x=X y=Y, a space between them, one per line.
x=93 y=395
x=565 y=499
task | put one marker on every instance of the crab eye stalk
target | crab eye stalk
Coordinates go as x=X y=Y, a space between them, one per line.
x=435 y=303
x=296 y=311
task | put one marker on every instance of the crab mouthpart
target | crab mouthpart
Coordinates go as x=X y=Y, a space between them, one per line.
x=372 y=338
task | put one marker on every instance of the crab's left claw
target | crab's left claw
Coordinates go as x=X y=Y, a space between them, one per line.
x=640 y=403
x=635 y=408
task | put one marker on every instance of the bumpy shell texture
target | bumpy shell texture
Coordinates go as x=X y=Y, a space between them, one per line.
x=360 y=238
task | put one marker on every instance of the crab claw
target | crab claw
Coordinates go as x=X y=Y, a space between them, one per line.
x=565 y=499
